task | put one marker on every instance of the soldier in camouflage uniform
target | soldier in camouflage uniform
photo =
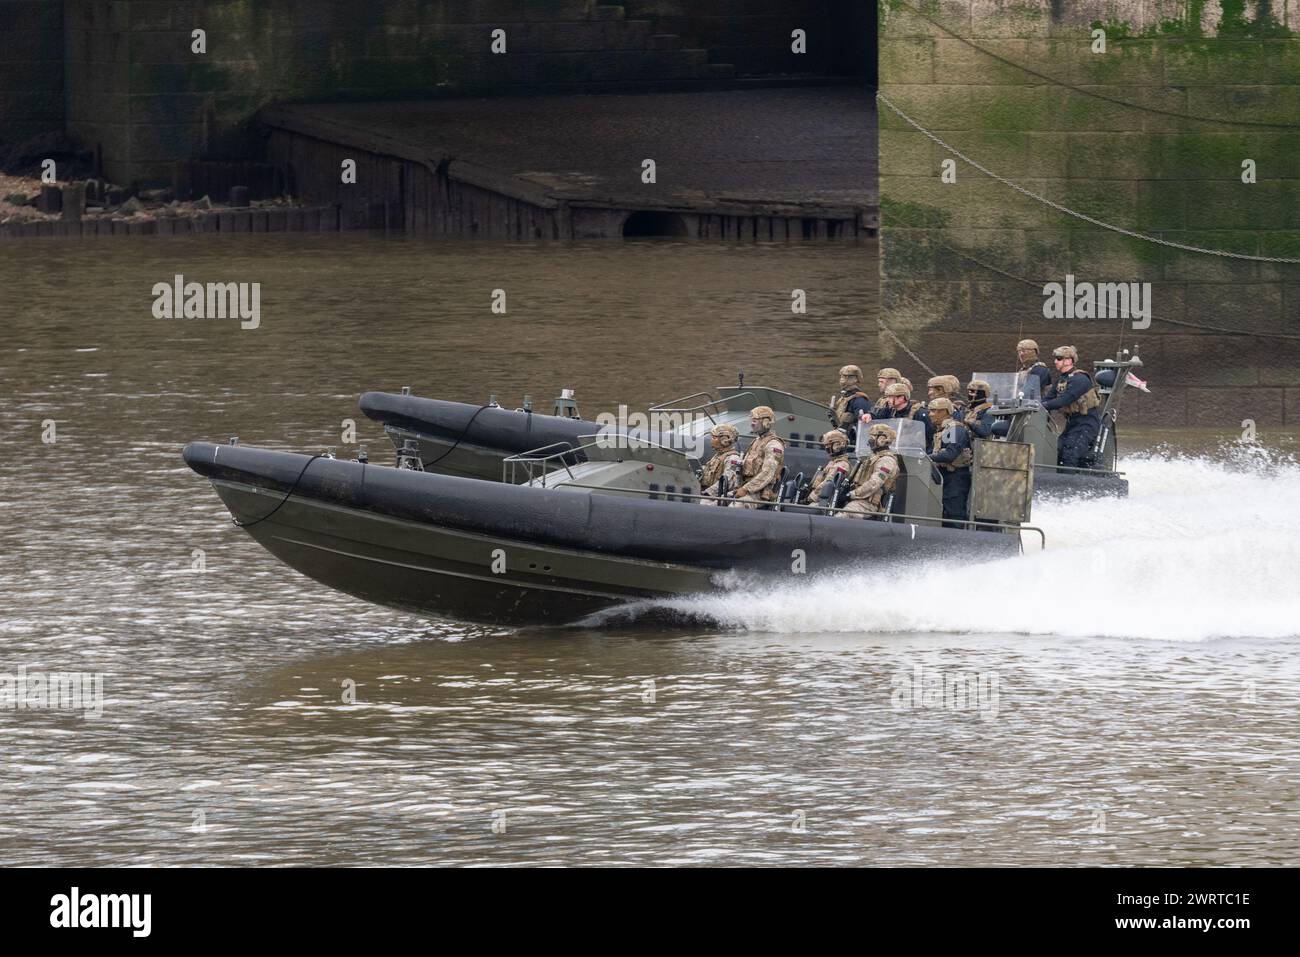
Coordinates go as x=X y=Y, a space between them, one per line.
x=876 y=476
x=724 y=464
x=838 y=467
x=851 y=404
x=760 y=469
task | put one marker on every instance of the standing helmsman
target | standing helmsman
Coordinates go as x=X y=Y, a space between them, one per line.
x=1027 y=353
x=950 y=450
x=876 y=477
x=721 y=473
x=898 y=404
x=851 y=404
x=1076 y=396
x=760 y=469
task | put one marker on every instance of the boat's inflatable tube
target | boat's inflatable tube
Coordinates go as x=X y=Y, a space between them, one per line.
x=617 y=526
x=486 y=426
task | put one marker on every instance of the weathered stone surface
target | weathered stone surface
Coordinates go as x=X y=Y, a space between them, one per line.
x=1149 y=136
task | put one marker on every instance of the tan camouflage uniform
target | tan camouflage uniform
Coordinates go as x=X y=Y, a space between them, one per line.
x=877 y=478
x=760 y=470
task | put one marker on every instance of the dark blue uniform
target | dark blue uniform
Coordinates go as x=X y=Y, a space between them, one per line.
x=1043 y=374
x=951 y=452
x=978 y=420
x=1074 y=447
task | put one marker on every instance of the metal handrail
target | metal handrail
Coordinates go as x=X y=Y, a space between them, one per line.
x=663 y=406
x=819 y=509
x=703 y=406
x=532 y=457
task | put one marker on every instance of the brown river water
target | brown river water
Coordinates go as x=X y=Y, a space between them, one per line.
x=1128 y=696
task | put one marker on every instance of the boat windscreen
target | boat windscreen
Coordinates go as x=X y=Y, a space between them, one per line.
x=1006 y=387
x=909 y=436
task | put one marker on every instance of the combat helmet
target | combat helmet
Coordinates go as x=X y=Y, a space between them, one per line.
x=889 y=374
x=852 y=371
x=1027 y=344
x=897 y=388
x=762 y=412
x=978 y=390
x=877 y=432
x=723 y=436
x=941 y=405
x=835 y=441
x=1066 y=352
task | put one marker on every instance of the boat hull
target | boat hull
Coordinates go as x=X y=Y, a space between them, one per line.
x=505 y=554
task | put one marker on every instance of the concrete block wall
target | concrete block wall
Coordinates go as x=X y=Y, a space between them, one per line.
x=1150 y=136
x=31 y=68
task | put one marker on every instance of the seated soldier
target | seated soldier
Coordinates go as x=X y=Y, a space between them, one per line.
x=760 y=469
x=876 y=476
x=722 y=471
x=836 y=470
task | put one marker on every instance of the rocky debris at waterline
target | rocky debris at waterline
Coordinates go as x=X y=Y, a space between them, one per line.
x=89 y=207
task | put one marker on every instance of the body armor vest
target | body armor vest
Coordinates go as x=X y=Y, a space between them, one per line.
x=713 y=469
x=753 y=464
x=843 y=417
x=964 y=458
x=1085 y=403
x=838 y=465
x=877 y=497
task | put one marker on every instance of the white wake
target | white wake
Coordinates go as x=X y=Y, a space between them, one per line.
x=1204 y=547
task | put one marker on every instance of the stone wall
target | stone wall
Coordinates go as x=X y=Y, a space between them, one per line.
x=135 y=86
x=1150 y=136
x=31 y=68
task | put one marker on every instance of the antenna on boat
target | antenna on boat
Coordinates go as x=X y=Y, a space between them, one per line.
x=740 y=378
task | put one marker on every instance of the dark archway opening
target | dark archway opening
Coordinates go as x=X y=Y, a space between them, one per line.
x=655 y=224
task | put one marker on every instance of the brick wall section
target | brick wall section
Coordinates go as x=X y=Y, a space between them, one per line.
x=1176 y=178
x=181 y=104
x=31 y=68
